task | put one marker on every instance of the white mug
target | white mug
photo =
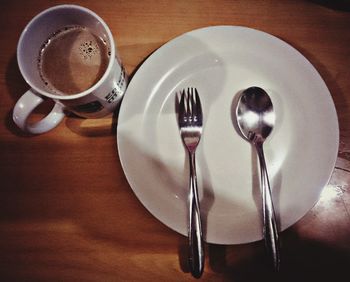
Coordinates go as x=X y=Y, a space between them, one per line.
x=97 y=101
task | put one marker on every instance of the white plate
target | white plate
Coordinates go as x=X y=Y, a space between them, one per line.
x=221 y=61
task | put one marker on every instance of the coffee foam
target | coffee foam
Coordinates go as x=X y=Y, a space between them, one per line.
x=72 y=60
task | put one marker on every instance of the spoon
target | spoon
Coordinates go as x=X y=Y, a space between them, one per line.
x=256 y=118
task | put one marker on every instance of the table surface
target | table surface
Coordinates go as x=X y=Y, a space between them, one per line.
x=67 y=212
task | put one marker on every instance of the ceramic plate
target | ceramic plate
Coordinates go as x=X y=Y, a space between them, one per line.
x=220 y=62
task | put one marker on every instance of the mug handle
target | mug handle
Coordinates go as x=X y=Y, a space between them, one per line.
x=26 y=105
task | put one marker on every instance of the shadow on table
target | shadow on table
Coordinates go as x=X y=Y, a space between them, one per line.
x=92 y=127
x=301 y=260
x=341 y=5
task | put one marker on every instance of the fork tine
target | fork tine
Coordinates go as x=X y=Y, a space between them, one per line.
x=189 y=106
x=194 y=107
x=198 y=107
x=182 y=108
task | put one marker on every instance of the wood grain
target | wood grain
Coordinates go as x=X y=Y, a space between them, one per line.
x=67 y=212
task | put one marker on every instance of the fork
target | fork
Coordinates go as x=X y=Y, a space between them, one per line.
x=190 y=123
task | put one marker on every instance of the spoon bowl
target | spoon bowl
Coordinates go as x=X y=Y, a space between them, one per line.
x=255 y=114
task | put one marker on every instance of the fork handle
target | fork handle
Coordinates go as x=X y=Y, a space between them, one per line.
x=196 y=248
x=270 y=226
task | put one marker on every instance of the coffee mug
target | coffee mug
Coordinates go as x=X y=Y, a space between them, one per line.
x=67 y=54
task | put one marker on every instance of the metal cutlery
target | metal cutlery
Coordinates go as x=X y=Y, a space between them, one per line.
x=190 y=122
x=256 y=119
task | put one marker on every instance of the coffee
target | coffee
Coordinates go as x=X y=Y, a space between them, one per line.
x=72 y=60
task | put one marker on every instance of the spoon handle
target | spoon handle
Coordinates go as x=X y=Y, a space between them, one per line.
x=270 y=227
x=196 y=246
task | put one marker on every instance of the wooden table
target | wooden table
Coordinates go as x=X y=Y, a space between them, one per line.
x=67 y=212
